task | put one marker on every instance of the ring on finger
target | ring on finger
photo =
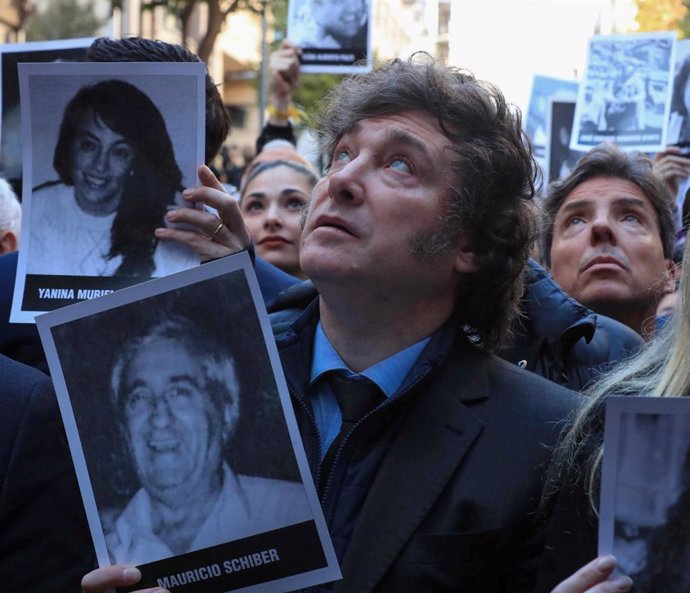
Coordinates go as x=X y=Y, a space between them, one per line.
x=214 y=234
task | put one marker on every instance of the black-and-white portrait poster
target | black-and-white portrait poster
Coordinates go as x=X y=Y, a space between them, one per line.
x=625 y=93
x=679 y=120
x=645 y=494
x=544 y=89
x=107 y=150
x=560 y=157
x=183 y=436
x=335 y=35
x=11 y=54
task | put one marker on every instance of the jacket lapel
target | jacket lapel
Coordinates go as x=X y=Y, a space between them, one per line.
x=436 y=435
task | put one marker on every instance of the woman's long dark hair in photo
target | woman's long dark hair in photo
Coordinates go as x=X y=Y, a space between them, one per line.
x=155 y=177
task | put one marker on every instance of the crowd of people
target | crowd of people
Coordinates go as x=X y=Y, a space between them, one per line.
x=408 y=267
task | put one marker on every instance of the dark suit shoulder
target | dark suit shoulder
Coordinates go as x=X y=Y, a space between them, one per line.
x=21 y=385
x=44 y=538
x=543 y=395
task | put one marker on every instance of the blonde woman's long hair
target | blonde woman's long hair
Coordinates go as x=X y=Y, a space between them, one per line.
x=661 y=369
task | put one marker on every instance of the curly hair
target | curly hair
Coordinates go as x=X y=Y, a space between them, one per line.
x=492 y=181
x=155 y=177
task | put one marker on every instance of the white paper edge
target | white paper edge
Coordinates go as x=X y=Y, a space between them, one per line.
x=26 y=70
x=239 y=261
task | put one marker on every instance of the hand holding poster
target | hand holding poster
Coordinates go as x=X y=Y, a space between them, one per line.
x=183 y=437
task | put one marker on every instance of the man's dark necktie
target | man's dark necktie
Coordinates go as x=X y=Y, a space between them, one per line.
x=356 y=399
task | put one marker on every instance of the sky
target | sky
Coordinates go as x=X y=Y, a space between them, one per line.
x=508 y=41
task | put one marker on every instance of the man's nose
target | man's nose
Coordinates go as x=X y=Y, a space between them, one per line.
x=602 y=231
x=347 y=183
x=161 y=413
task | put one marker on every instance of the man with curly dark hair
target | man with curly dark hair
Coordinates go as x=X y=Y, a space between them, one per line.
x=429 y=453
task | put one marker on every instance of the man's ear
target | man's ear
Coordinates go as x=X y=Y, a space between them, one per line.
x=465 y=257
x=8 y=242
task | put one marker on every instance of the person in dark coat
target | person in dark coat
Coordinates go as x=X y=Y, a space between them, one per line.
x=45 y=543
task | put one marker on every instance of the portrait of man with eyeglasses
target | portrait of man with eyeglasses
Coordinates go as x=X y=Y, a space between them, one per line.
x=178 y=400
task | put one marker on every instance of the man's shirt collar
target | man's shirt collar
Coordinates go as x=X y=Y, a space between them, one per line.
x=387 y=374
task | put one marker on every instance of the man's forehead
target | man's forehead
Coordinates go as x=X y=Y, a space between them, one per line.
x=155 y=350
x=606 y=190
x=420 y=129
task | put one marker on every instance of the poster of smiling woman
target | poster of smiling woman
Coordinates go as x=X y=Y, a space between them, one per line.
x=183 y=436
x=107 y=150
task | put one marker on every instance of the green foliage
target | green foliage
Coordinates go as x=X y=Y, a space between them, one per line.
x=313 y=88
x=684 y=23
x=63 y=19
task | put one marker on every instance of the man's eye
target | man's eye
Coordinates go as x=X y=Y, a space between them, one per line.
x=341 y=156
x=401 y=165
x=631 y=218
x=138 y=397
x=179 y=392
x=574 y=220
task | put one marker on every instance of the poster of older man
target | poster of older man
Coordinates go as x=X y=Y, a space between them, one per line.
x=625 y=93
x=645 y=496
x=183 y=437
x=108 y=149
x=335 y=35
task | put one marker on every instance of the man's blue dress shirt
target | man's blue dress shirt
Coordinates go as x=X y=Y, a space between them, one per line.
x=387 y=374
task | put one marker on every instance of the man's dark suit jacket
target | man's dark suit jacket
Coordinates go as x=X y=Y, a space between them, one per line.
x=455 y=504
x=45 y=546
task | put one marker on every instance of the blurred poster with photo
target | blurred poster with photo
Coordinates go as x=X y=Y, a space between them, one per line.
x=679 y=120
x=335 y=35
x=11 y=54
x=645 y=491
x=544 y=90
x=183 y=436
x=107 y=150
x=560 y=157
x=625 y=94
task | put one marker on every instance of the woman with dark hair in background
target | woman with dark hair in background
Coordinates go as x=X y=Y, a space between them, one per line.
x=114 y=157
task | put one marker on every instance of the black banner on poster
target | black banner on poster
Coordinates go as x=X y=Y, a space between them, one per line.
x=47 y=292
x=253 y=560
x=332 y=57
